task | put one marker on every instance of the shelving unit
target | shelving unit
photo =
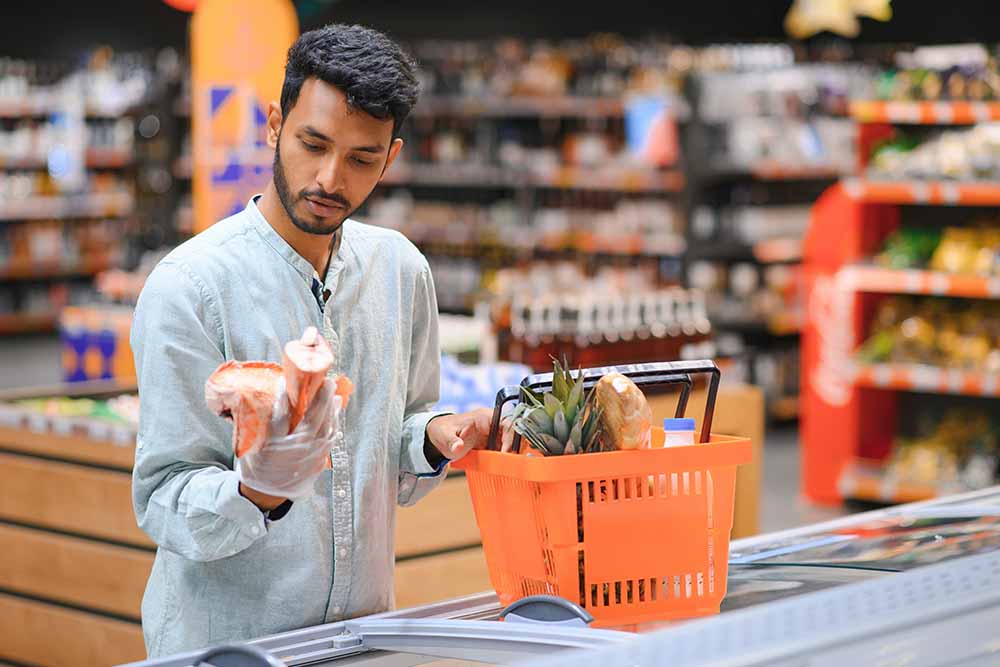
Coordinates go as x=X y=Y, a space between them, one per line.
x=68 y=206
x=851 y=406
x=729 y=180
x=23 y=323
x=86 y=266
x=55 y=236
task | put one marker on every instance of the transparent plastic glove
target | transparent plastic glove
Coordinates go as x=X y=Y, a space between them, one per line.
x=287 y=465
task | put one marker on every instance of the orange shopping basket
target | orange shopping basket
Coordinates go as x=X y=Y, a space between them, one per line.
x=630 y=536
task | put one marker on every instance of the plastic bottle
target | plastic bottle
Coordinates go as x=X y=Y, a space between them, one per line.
x=678 y=432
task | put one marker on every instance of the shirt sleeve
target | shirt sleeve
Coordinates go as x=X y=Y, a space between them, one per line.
x=416 y=476
x=185 y=494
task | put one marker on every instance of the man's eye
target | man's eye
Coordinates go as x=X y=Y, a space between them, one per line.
x=312 y=148
x=363 y=163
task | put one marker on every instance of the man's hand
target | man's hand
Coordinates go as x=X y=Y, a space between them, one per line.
x=457 y=435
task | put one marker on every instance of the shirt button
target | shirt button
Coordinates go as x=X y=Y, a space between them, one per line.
x=341 y=493
x=342 y=552
x=255 y=530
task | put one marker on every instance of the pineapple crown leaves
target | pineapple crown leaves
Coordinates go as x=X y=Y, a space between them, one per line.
x=565 y=420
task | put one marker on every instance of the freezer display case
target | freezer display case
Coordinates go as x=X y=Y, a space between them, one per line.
x=915 y=584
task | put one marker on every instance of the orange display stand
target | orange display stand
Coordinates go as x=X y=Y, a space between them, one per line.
x=238 y=52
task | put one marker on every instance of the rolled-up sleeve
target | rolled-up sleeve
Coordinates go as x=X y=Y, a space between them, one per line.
x=185 y=493
x=417 y=477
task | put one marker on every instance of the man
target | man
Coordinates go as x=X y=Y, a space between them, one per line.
x=233 y=562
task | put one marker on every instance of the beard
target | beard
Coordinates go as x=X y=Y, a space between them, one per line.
x=306 y=222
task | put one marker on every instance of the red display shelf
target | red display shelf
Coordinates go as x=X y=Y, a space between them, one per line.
x=942 y=193
x=926 y=379
x=916 y=281
x=924 y=113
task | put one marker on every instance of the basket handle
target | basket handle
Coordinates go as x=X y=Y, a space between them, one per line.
x=652 y=375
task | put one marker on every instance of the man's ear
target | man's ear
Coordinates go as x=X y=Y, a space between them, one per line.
x=274 y=120
x=394 y=148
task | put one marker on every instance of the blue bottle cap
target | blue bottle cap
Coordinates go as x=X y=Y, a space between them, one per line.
x=685 y=424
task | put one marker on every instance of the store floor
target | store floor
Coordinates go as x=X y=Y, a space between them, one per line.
x=33 y=361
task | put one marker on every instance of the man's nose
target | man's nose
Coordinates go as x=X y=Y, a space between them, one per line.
x=329 y=174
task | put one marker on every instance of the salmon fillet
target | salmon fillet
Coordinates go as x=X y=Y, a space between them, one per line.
x=244 y=391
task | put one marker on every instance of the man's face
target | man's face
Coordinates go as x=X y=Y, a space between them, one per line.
x=328 y=156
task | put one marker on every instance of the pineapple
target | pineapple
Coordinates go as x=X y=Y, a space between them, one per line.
x=563 y=421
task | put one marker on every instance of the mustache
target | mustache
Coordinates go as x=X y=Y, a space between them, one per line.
x=325 y=198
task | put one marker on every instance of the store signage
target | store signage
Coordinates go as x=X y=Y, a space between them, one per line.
x=238 y=51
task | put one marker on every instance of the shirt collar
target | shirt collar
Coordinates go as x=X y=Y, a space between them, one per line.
x=287 y=252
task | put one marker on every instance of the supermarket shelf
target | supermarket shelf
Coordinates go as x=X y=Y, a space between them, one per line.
x=915 y=281
x=38 y=108
x=774 y=171
x=21 y=323
x=109 y=158
x=569 y=178
x=778 y=251
x=926 y=379
x=767 y=171
x=866 y=480
x=504 y=107
x=951 y=193
x=785 y=324
x=784 y=409
x=69 y=446
x=774 y=251
x=924 y=113
x=32 y=270
x=97 y=158
x=69 y=206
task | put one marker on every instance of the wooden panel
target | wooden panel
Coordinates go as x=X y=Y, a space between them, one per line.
x=46 y=635
x=68 y=497
x=435 y=578
x=83 y=573
x=442 y=520
x=67 y=447
x=739 y=410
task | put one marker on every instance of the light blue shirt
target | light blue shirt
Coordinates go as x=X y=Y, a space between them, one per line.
x=239 y=291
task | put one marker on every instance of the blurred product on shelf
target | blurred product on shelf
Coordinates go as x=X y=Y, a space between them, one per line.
x=616 y=316
x=779 y=123
x=973 y=250
x=95 y=343
x=21 y=185
x=589 y=225
x=947 y=451
x=967 y=155
x=54 y=248
x=723 y=228
x=466 y=387
x=960 y=72
x=602 y=66
x=114 y=420
x=35 y=144
x=934 y=331
x=108 y=85
x=909 y=248
x=745 y=295
x=123 y=287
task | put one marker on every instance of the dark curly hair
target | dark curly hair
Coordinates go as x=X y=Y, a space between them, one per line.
x=375 y=74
